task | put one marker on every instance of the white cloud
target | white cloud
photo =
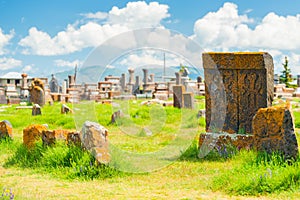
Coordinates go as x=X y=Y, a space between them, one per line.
x=28 y=68
x=65 y=63
x=9 y=63
x=92 y=34
x=139 y=14
x=226 y=29
x=222 y=29
x=98 y=15
x=4 y=40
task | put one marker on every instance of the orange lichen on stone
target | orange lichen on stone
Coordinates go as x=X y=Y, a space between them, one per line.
x=236 y=86
x=32 y=134
x=273 y=131
x=50 y=137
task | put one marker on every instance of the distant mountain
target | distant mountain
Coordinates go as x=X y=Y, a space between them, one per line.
x=94 y=74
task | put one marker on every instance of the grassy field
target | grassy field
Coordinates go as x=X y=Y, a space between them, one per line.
x=62 y=172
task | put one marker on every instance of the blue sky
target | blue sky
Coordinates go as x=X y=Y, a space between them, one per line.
x=44 y=37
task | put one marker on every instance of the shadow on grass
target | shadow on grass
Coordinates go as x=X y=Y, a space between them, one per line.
x=62 y=161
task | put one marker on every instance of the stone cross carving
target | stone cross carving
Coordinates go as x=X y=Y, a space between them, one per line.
x=238 y=84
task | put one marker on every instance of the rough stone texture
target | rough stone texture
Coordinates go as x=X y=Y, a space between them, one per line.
x=5 y=129
x=32 y=134
x=178 y=91
x=36 y=110
x=73 y=138
x=236 y=85
x=65 y=109
x=116 y=115
x=219 y=140
x=273 y=130
x=188 y=100
x=50 y=137
x=94 y=138
x=37 y=92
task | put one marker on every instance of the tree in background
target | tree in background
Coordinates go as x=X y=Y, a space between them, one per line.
x=286 y=76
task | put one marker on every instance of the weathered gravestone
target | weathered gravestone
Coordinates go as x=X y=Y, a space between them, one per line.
x=246 y=79
x=94 y=138
x=116 y=115
x=70 y=137
x=5 y=129
x=178 y=91
x=36 y=110
x=37 y=92
x=273 y=131
x=32 y=134
x=188 y=100
x=54 y=86
x=65 y=109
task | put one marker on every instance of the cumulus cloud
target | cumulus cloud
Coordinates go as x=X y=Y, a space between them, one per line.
x=98 y=15
x=28 y=68
x=226 y=29
x=4 y=40
x=9 y=63
x=91 y=34
x=65 y=63
x=139 y=14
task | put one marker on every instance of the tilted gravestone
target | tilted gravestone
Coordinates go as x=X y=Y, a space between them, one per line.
x=94 y=138
x=246 y=79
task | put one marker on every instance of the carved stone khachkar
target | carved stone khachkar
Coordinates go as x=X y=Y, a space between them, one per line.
x=37 y=92
x=236 y=85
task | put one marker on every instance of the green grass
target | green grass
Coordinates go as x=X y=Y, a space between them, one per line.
x=259 y=173
x=224 y=173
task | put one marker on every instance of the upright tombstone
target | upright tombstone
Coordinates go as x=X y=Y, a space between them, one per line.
x=131 y=76
x=248 y=82
x=145 y=86
x=178 y=91
x=54 y=87
x=71 y=81
x=178 y=78
x=123 y=82
x=130 y=84
x=64 y=87
x=137 y=85
x=298 y=80
x=188 y=100
x=37 y=92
